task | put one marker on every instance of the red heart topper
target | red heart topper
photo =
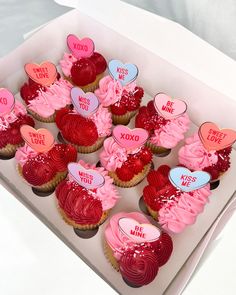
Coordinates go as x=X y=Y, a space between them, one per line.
x=169 y=108
x=80 y=47
x=40 y=140
x=130 y=138
x=7 y=101
x=214 y=138
x=44 y=74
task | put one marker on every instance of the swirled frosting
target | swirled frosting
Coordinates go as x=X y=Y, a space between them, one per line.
x=112 y=155
x=55 y=97
x=170 y=134
x=66 y=63
x=175 y=216
x=7 y=119
x=103 y=121
x=24 y=153
x=194 y=156
x=110 y=90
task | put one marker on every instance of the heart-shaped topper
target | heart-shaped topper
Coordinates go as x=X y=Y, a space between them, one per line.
x=44 y=74
x=80 y=47
x=7 y=101
x=87 y=178
x=130 y=138
x=40 y=140
x=85 y=103
x=214 y=138
x=140 y=233
x=188 y=181
x=125 y=73
x=169 y=108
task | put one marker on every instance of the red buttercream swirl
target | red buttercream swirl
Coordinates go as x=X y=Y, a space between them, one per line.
x=163 y=248
x=139 y=266
x=78 y=204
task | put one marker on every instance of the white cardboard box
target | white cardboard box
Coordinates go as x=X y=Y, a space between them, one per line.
x=170 y=59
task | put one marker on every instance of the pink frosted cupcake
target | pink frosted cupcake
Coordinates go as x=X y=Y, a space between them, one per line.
x=166 y=129
x=176 y=197
x=87 y=125
x=44 y=97
x=87 y=196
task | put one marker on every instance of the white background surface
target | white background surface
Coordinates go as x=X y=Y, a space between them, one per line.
x=32 y=259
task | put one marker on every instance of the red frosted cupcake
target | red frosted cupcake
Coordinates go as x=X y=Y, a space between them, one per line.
x=42 y=162
x=87 y=125
x=44 y=96
x=127 y=160
x=136 y=248
x=83 y=67
x=119 y=92
x=12 y=116
x=87 y=196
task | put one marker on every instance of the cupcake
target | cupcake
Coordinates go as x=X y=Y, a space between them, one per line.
x=208 y=150
x=119 y=92
x=127 y=159
x=86 y=125
x=86 y=197
x=44 y=97
x=42 y=163
x=12 y=116
x=136 y=248
x=175 y=197
x=83 y=67
x=165 y=121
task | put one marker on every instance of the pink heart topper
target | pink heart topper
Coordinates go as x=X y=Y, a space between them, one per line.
x=130 y=138
x=80 y=47
x=7 y=101
x=85 y=103
x=214 y=138
x=40 y=140
x=169 y=108
x=44 y=74
x=140 y=233
x=87 y=178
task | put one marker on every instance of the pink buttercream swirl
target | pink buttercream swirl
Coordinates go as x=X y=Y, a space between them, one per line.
x=112 y=155
x=7 y=119
x=66 y=63
x=24 y=153
x=110 y=91
x=107 y=194
x=55 y=97
x=170 y=134
x=103 y=121
x=115 y=238
x=194 y=156
x=176 y=215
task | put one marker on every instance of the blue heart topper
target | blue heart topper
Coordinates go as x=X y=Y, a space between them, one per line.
x=188 y=181
x=124 y=73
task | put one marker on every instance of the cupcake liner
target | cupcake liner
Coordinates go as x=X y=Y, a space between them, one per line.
x=86 y=226
x=91 y=87
x=36 y=116
x=87 y=149
x=123 y=119
x=109 y=255
x=10 y=149
x=50 y=185
x=134 y=181
x=158 y=150
x=153 y=213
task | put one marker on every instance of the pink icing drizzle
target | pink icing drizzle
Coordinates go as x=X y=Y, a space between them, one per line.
x=115 y=238
x=24 y=153
x=7 y=119
x=107 y=194
x=194 y=156
x=110 y=90
x=66 y=63
x=112 y=155
x=175 y=216
x=54 y=98
x=170 y=134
